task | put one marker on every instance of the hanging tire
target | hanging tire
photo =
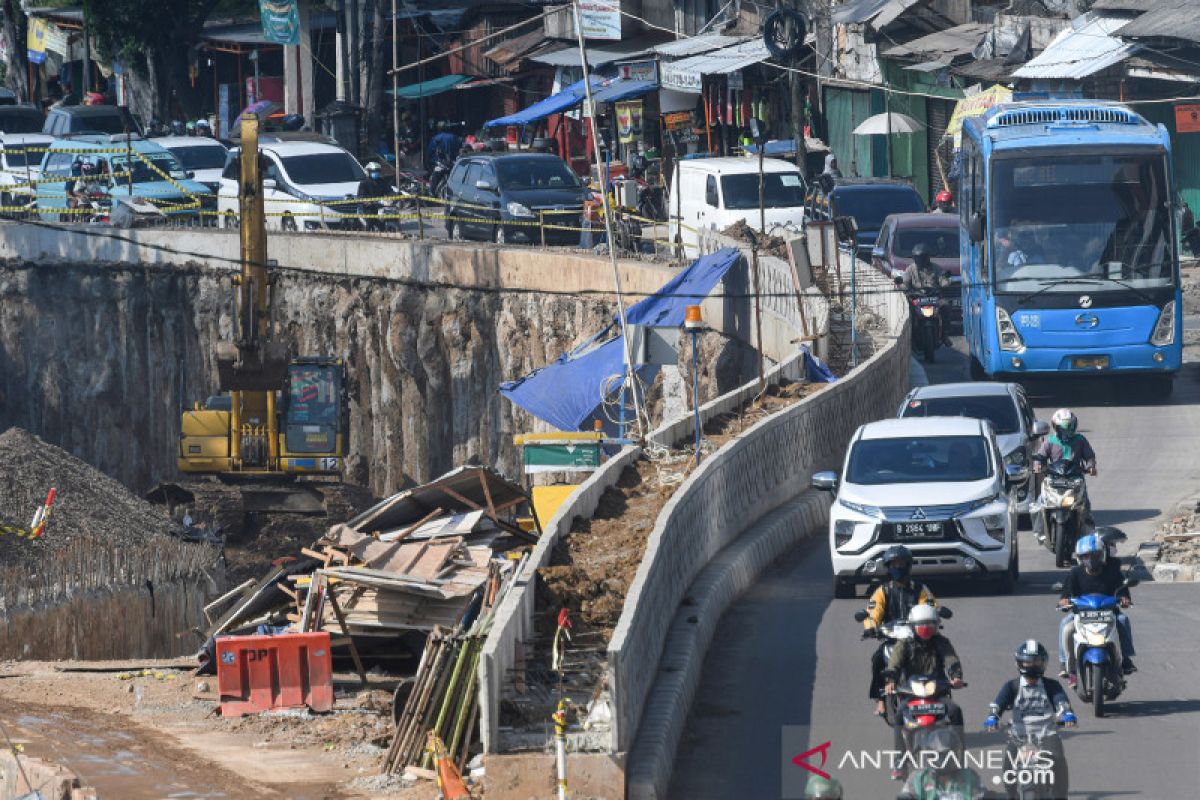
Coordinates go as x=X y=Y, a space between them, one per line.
x=1096 y=677
x=783 y=33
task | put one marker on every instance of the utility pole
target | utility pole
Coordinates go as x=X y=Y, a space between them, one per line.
x=395 y=89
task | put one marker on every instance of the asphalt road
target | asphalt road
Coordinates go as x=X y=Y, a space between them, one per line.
x=788 y=654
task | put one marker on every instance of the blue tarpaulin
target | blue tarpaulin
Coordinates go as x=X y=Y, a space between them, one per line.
x=567 y=393
x=622 y=89
x=565 y=100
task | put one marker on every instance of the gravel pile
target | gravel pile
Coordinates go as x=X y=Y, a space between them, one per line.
x=89 y=505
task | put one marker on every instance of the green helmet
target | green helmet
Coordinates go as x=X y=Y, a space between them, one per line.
x=819 y=788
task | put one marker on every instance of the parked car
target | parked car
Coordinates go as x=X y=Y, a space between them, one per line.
x=19 y=118
x=900 y=233
x=20 y=166
x=938 y=486
x=306 y=186
x=498 y=197
x=122 y=175
x=718 y=192
x=1004 y=405
x=868 y=200
x=199 y=155
x=73 y=120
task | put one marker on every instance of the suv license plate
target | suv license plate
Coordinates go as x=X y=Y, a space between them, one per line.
x=1090 y=362
x=918 y=530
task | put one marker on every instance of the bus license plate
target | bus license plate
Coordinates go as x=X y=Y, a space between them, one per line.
x=918 y=530
x=1090 y=362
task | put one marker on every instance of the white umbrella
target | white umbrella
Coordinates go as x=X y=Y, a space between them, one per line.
x=891 y=122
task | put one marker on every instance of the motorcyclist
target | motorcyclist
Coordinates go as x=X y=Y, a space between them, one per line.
x=822 y=788
x=925 y=277
x=1065 y=443
x=944 y=202
x=374 y=184
x=444 y=146
x=927 y=653
x=1036 y=703
x=891 y=602
x=87 y=177
x=203 y=128
x=1095 y=574
x=943 y=773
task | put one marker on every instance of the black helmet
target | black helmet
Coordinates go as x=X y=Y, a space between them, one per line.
x=902 y=554
x=1031 y=658
x=920 y=253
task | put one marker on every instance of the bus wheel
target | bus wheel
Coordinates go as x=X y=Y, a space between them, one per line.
x=977 y=372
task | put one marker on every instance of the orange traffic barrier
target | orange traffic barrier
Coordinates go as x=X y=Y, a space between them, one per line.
x=259 y=673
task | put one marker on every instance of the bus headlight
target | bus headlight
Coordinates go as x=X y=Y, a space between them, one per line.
x=1164 y=329
x=1009 y=338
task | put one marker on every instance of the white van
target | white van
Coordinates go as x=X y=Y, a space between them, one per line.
x=717 y=192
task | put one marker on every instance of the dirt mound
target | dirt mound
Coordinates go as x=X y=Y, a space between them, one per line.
x=767 y=245
x=89 y=504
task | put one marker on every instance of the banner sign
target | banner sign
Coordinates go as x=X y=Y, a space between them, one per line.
x=639 y=71
x=600 y=19
x=629 y=121
x=280 y=21
x=678 y=120
x=973 y=106
x=681 y=80
x=1187 y=118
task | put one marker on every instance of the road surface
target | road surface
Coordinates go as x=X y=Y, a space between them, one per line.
x=788 y=654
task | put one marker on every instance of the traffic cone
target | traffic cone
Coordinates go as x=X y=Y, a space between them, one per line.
x=449 y=780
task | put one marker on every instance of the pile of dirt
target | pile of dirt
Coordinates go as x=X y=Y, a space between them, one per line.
x=593 y=564
x=725 y=427
x=1179 y=536
x=767 y=245
x=89 y=505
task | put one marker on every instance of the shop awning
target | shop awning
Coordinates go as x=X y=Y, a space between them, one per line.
x=430 y=87
x=695 y=45
x=597 y=55
x=568 y=98
x=622 y=89
x=686 y=75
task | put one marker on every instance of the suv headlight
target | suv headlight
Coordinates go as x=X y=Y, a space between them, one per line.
x=1009 y=338
x=843 y=531
x=866 y=511
x=1017 y=458
x=1164 y=329
x=516 y=209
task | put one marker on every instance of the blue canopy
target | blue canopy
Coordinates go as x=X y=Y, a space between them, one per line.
x=567 y=99
x=623 y=89
x=567 y=392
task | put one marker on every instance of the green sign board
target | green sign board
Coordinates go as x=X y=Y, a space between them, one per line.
x=562 y=457
x=280 y=21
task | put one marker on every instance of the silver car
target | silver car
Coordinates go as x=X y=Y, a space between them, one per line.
x=1002 y=404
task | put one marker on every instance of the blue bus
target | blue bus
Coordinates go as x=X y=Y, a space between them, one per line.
x=1068 y=243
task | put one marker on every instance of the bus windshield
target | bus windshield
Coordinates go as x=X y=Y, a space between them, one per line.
x=1063 y=220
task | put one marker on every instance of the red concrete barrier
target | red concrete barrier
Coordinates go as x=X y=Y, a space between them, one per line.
x=259 y=673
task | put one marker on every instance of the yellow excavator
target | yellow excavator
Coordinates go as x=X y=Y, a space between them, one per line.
x=278 y=416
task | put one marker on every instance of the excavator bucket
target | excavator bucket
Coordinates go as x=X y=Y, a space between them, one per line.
x=263 y=369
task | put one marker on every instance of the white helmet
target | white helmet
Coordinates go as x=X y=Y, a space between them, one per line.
x=923 y=614
x=1064 y=422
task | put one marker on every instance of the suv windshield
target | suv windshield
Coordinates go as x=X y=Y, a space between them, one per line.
x=780 y=190
x=939 y=242
x=540 y=173
x=1102 y=219
x=925 y=459
x=205 y=156
x=142 y=172
x=869 y=205
x=323 y=168
x=996 y=409
x=21 y=120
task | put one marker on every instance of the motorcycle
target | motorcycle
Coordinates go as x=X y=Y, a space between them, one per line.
x=1060 y=508
x=925 y=308
x=1094 y=660
x=409 y=186
x=380 y=217
x=437 y=177
x=1035 y=750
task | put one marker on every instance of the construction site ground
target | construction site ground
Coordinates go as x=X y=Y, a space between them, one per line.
x=145 y=737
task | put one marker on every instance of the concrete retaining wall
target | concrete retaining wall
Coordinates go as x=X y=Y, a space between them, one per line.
x=747 y=479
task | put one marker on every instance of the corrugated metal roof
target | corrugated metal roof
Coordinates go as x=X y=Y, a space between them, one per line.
x=957 y=41
x=694 y=45
x=513 y=49
x=597 y=55
x=1084 y=49
x=1167 y=19
x=685 y=75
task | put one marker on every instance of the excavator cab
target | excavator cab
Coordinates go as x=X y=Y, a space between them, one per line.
x=313 y=425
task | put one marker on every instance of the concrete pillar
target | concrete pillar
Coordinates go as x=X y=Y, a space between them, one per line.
x=298 y=70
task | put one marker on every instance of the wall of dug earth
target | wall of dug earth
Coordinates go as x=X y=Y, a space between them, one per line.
x=102 y=341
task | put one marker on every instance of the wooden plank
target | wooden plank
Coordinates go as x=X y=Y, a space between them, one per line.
x=404 y=534
x=337 y=612
x=228 y=595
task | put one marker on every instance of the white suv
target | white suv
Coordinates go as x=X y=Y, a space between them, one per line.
x=937 y=485
x=306 y=186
